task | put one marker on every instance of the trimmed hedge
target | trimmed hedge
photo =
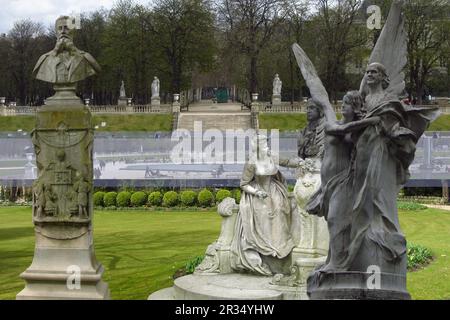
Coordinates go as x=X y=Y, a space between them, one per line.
x=109 y=200
x=155 y=199
x=222 y=195
x=188 y=198
x=123 y=199
x=205 y=198
x=98 y=199
x=170 y=199
x=138 y=199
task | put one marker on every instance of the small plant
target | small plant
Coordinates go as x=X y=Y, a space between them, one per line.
x=205 y=198
x=98 y=199
x=418 y=256
x=188 y=198
x=109 y=200
x=155 y=199
x=192 y=264
x=410 y=206
x=138 y=199
x=170 y=199
x=123 y=199
x=222 y=195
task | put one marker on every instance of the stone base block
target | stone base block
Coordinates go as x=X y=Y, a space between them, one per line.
x=122 y=102
x=276 y=101
x=228 y=287
x=156 y=101
x=356 y=286
x=53 y=286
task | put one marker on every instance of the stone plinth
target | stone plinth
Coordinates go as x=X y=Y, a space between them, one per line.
x=276 y=100
x=123 y=101
x=64 y=264
x=357 y=286
x=227 y=287
x=156 y=101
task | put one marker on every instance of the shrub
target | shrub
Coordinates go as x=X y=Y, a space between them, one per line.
x=222 y=195
x=155 y=199
x=237 y=195
x=109 y=199
x=418 y=256
x=205 y=198
x=138 y=199
x=98 y=199
x=123 y=199
x=192 y=264
x=170 y=199
x=188 y=198
x=410 y=206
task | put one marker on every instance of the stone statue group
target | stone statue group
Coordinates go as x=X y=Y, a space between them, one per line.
x=364 y=162
x=349 y=175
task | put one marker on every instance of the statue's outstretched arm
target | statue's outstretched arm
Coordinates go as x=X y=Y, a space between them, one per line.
x=351 y=126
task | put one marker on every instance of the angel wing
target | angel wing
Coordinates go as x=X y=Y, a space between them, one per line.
x=316 y=88
x=391 y=50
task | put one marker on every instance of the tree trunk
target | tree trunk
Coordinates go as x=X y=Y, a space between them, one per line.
x=253 y=77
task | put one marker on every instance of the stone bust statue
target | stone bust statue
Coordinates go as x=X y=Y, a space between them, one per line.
x=65 y=64
x=155 y=87
x=277 y=85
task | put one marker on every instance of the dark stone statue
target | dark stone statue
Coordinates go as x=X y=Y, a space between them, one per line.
x=366 y=161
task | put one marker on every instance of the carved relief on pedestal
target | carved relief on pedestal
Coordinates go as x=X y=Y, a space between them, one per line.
x=63 y=188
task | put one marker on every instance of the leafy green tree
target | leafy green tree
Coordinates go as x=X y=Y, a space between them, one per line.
x=184 y=40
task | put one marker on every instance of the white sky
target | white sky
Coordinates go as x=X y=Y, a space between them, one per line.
x=47 y=11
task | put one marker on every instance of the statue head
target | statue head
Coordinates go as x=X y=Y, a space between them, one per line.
x=313 y=112
x=352 y=104
x=63 y=28
x=376 y=73
x=259 y=146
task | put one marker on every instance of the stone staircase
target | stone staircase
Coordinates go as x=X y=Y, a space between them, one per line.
x=215 y=120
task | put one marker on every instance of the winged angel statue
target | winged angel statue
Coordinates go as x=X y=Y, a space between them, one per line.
x=367 y=156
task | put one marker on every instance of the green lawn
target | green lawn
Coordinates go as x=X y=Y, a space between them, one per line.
x=296 y=121
x=114 y=122
x=142 y=250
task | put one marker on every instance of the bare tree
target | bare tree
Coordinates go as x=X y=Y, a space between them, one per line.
x=24 y=40
x=428 y=29
x=249 y=26
x=336 y=36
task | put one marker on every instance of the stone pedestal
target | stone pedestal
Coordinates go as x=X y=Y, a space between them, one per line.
x=156 y=101
x=357 y=286
x=227 y=287
x=64 y=264
x=276 y=100
x=176 y=107
x=123 y=102
x=314 y=238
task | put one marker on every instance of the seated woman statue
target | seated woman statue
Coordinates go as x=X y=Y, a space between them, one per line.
x=267 y=227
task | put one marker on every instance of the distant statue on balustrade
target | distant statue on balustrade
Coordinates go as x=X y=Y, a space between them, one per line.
x=277 y=85
x=155 y=87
